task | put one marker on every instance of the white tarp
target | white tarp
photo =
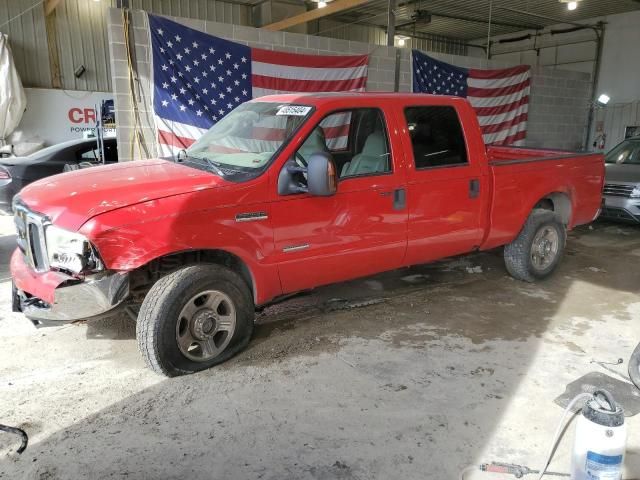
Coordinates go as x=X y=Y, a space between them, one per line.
x=13 y=100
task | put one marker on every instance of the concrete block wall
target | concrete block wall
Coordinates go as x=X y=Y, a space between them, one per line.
x=559 y=108
x=558 y=101
x=561 y=128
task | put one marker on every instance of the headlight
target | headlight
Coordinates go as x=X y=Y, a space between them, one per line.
x=70 y=251
x=635 y=193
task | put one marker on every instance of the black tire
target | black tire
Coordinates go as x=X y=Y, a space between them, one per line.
x=163 y=304
x=518 y=254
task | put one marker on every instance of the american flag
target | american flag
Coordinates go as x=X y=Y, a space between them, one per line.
x=199 y=78
x=500 y=97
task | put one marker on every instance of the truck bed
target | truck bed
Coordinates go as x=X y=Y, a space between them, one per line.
x=572 y=183
x=503 y=155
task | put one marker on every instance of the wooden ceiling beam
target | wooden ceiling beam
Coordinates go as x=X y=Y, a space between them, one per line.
x=315 y=14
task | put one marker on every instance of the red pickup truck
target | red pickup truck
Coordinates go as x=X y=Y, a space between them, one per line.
x=287 y=193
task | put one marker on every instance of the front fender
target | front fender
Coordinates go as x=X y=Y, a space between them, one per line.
x=133 y=236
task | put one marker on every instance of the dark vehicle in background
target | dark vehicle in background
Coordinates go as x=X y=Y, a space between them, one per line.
x=18 y=172
x=622 y=182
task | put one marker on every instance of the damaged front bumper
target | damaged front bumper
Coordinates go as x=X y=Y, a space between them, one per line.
x=54 y=298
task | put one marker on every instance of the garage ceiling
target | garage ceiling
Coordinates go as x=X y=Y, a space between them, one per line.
x=469 y=20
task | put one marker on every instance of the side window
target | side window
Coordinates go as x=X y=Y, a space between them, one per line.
x=90 y=155
x=110 y=152
x=356 y=139
x=436 y=137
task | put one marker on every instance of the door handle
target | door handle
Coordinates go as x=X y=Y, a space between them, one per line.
x=399 y=199
x=474 y=188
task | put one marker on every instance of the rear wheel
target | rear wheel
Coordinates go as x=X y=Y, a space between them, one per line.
x=537 y=250
x=193 y=319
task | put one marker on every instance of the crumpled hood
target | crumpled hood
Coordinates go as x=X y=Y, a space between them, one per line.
x=70 y=199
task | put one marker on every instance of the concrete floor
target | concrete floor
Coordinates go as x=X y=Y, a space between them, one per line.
x=450 y=364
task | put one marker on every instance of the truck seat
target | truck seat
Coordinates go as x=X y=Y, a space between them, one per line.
x=373 y=158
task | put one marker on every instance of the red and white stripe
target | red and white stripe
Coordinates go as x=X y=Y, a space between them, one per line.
x=501 y=100
x=274 y=72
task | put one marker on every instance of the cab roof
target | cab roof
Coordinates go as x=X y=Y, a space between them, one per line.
x=327 y=98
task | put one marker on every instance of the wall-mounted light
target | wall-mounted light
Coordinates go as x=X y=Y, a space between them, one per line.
x=78 y=72
x=603 y=99
x=402 y=40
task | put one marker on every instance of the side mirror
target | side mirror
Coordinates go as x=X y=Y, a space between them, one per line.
x=321 y=175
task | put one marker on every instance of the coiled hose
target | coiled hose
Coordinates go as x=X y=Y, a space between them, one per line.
x=24 y=439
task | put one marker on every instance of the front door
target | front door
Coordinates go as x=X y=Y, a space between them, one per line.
x=360 y=230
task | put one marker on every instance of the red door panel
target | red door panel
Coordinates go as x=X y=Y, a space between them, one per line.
x=357 y=232
x=446 y=203
x=360 y=230
x=443 y=219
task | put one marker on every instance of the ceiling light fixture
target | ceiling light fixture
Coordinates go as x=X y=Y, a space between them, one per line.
x=402 y=40
x=571 y=4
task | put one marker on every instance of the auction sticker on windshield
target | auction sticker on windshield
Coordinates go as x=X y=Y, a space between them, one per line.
x=296 y=110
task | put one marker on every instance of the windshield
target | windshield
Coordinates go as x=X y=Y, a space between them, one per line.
x=248 y=137
x=628 y=153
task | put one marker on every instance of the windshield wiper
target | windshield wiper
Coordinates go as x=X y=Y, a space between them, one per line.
x=213 y=166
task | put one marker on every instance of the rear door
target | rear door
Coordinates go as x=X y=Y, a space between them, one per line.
x=446 y=186
x=360 y=230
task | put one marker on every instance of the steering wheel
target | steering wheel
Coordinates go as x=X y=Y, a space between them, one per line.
x=301 y=160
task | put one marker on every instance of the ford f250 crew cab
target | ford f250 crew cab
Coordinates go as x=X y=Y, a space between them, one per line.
x=287 y=193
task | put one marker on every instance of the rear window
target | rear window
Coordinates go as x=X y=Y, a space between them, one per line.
x=436 y=137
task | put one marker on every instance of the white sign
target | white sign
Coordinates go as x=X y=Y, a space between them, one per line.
x=297 y=110
x=54 y=116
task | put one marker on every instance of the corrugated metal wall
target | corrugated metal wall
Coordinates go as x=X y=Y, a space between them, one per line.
x=212 y=10
x=376 y=35
x=82 y=40
x=28 y=41
x=438 y=44
x=82 y=36
x=616 y=118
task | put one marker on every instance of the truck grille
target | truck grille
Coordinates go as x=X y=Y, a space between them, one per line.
x=618 y=189
x=30 y=237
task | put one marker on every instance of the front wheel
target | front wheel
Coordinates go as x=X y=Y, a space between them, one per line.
x=193 y=319
x=537 y=250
